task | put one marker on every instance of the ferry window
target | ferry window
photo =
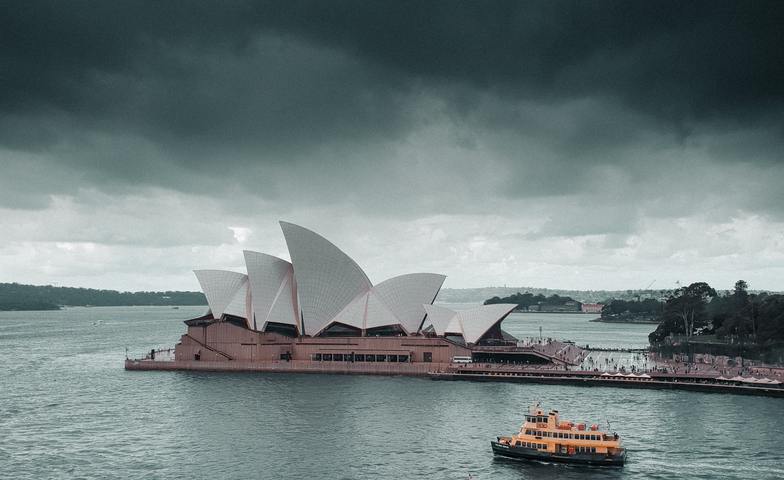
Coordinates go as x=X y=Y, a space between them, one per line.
x=381 y=358
x=427 y=356
x=593 y=449
x=359 y=357
x=327 y=357
x=392 y=358
x=316 y=357
x=518 y=443
x=402 y=358
x=370 y=358
x=338 y=357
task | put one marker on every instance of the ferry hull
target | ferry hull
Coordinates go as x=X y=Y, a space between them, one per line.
x=578 y=459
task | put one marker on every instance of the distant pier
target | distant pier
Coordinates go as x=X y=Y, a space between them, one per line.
x=654 y=380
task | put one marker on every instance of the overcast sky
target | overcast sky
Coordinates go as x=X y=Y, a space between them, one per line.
x=584 y=145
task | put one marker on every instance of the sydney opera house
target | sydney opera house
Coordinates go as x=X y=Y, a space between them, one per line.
x=320 y=312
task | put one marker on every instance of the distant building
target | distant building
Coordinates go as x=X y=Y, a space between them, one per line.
x=592 y=307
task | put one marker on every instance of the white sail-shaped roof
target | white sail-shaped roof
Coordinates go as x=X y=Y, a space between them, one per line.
x=239 y=306
x=438 y=318
x=327 y=279
x=284 y=309
x=354 y=313
x=477 y=321
x=378 y=313
x=226 y=291
x=273 y=296
x=406 y=295
x=397 y=301
x=472 y=324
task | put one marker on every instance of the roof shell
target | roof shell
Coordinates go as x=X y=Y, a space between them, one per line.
x=477 y=321
x=438 y=317
x=327 y=279
x=226 y=291
x=472 y=324
x=406 y=295
x=273 y=293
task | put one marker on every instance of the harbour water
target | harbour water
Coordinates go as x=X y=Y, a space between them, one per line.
x=69 y=410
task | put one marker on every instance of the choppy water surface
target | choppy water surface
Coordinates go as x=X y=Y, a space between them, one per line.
x=69 y=410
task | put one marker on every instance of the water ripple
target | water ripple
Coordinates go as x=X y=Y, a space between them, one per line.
x=69 y=410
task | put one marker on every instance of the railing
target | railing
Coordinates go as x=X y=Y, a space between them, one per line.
x=159 y=355
x=212 y=349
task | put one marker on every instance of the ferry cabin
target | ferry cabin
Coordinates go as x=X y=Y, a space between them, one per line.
x=546 y=432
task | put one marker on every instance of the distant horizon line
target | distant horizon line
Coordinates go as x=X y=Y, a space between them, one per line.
x=521 y=289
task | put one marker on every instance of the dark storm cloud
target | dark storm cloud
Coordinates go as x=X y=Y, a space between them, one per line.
x=696 y=58
x=175 y=94
x=674 y=59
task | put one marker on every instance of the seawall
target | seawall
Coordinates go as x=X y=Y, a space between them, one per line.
x=472 y=372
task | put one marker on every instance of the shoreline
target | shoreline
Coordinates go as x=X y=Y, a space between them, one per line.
x=470 y=372
x=638 y=322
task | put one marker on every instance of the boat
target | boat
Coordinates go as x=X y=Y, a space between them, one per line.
x=545 y=437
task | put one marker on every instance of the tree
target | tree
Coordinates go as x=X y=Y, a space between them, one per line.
x=688 y=305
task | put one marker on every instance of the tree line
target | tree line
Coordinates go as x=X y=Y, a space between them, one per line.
x=699 y=310
x=15 y=296
x=525 y=300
